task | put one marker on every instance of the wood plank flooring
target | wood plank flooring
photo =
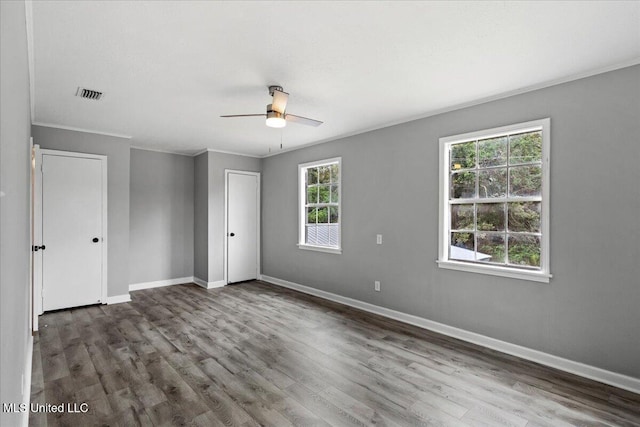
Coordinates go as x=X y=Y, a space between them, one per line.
x=255 y=354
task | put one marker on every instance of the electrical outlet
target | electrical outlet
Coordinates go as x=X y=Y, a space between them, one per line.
x=376 y=285
x=379 y=239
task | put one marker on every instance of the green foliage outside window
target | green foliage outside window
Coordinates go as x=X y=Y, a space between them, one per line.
x=506 y=167
x=322 y=191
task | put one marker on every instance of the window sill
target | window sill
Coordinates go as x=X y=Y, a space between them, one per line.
x=326 y=249
x=514 y=273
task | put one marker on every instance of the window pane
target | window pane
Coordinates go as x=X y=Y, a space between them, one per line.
x=491 y=248
x=524 y=250
x=323 y=215
x=524 y=216
x=323 y=194
x=463 y=185
x=492 y=183
x=334 y=194
x=335 y=173
x=490 y=216
x=525 y=181
x=492 y=152
x=333 y=234
x=312 y=194
x=312 y=176
x=311 y=215
x=525 y=148
x=462 y=246
x=312 y=234
x=463 y=156
x=333 y=214
x=324 y=174
x=462 y=217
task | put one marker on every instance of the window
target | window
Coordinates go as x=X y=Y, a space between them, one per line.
x=494 y=201
x=320 y=216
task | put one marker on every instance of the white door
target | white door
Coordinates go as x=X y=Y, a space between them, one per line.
x=242 y=226
x=71 y=231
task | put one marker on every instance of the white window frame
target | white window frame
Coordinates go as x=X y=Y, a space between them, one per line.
x=302 y=189
x=539 y=275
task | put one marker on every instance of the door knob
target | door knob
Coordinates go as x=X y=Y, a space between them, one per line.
x=95 y=240
x=35 y=248
x=232 y=234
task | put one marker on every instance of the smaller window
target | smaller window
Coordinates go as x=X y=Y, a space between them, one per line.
x=319 y=207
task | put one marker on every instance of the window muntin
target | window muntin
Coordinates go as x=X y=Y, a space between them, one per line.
x=494 y=201
x=320 y=214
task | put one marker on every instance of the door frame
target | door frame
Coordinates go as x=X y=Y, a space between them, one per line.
x=37 y=238
x=225 y=276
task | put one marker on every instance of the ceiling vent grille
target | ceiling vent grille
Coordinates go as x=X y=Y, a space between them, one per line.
x=88 y=94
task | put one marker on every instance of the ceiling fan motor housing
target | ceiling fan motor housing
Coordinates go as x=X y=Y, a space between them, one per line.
x=272 y=89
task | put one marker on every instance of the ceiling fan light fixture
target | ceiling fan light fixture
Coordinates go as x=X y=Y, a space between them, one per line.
x=275 y=119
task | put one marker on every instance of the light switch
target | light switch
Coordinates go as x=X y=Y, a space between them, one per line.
x=379 y=239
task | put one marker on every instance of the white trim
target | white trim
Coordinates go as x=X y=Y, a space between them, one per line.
x=225 y=261
x=206 y=150
x=26 y=386
x=541 y=275
x=587 y=371
x=118 y=299
x=209 y=285
x=496 y=270
x=77 y=129
x=160 y=283
x=157 y=150
x=33 y=316
x=38 y=289
x=37 y=237
x=327 y=249
x=302 y=213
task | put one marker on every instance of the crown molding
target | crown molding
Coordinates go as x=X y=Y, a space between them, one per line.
x=77 y=129
x=531 y=88
x=212 y=150
x=156 y=150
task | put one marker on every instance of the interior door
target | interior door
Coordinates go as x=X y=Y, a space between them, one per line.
x=242 y=227
x=72 y=239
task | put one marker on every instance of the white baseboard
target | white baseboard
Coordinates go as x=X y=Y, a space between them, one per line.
x=117 y=299
x=26 y=386
x=160 y=283
x=598 y=374
x=209 y=285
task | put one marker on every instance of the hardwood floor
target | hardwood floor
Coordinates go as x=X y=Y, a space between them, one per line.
x=256 y=354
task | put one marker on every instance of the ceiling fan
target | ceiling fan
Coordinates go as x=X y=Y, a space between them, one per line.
x=276 y=111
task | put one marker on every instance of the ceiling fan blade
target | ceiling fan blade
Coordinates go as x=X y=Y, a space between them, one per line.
x=245 y=115
x=302 y=120
x=279 y=103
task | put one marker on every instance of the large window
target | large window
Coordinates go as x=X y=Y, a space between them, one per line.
x=494 y=201
x=320 y=216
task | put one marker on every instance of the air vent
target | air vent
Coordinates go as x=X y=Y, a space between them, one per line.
x=88 y=94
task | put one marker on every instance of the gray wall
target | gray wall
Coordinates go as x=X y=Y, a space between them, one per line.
x=209 y=210
x=15 y=130
x=160 y=216
x=117 y=151
x=218 y=162
x=588 y=313
x=201 y=217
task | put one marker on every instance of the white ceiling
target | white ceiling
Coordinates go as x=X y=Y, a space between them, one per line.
x=170 y=69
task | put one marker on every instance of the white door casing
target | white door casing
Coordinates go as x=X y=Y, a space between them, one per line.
x=73 y=215
x=36 y=236
x=242 y=233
